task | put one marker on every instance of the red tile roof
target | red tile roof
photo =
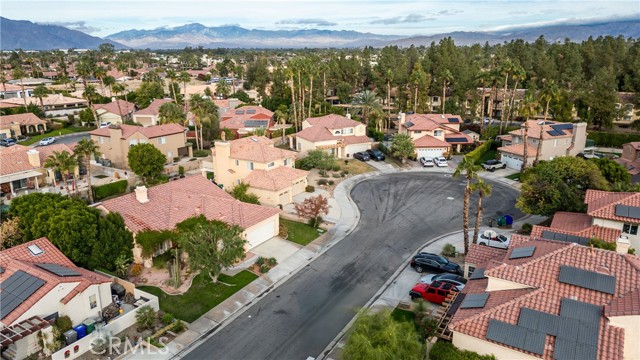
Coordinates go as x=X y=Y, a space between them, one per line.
x=570 y=221
x=627 y=304
x=429 y=141
x=635 y=144
x=518 y=149
x=153 y=108
x=534 y=130
x=349 y=140
x=482 y=254
x=176 y=201
x=20 y=119
x=333 y=121
x=149 y=132
x=316 y=133
x=232 y=120
x=20 y=258
x=112 y=107
x=259 y=149
x=15 y=159
x=276 y=179
x=594 y=231
x=602 y=204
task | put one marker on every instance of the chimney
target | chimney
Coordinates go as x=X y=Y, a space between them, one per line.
x=622 y=245
x=141 y=194
x=348 y=116
x=578 y=138
x=403 y=118
x=34 y=158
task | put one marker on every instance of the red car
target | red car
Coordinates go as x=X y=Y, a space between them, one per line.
x=435 y=292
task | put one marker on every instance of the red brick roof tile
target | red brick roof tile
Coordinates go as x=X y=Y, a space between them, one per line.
x=112 y=107
x=429 y=141
x=602 y=204
x=153 y=108
x=259 y=149
x=149 y=132
x=275 y=179
x=232 y=120
x=332 y=121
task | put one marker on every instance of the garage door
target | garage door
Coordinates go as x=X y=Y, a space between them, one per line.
x=352 y=149
x=511 y=161
x=261 y=234
x=430 y=152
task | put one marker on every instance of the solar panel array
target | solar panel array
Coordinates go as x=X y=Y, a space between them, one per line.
x=552 y=235
x=522 y=252
x=409 y=124
x=239 y=112
x=58 y=270
x=16 y=289
x=454 y=140
x=587 y=279
x=256 y=123
x=516 y=336
x=560 y=127
x=628 y=211
x=555 y=133
x=453 y=120
x=477 y=274
x=251 y=111
x=472 y=301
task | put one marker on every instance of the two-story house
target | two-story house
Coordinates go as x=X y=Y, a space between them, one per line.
x=269 y=171
x=115 y=112
x=558 y=139
x=433 y=134
x=335 y=134
x=150 y=115
x=630 y=159
x=247 y=119
x=114 y=141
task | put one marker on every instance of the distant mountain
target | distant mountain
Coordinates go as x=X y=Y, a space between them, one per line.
x=238 y=37
x=25 y=35
x=576 y=33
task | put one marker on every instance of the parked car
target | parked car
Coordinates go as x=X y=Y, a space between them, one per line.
x=7 y=142
x=426 y=162
x=376 y=154
x=427 y=261
x=362 y=156
x=492 y=239
x=436 y=292
x=47 y=141
x=441 y=161
x=492 y=165
x=457 y=280
x=105 y=124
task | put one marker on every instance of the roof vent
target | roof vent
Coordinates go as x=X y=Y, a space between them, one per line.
x=35 y=249
x=254 y=139
x=540 y=123
x=442 y=116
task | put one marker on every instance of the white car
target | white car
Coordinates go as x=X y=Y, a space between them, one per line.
x=105 y=124
x=441 y=161
x=426 y=161
x=492 y=239
x=47 y=141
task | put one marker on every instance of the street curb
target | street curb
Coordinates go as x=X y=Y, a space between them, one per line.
x=36 y=144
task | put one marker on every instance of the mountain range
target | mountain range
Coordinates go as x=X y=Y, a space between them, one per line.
x=21 y=34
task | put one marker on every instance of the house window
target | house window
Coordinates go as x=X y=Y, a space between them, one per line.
x=437 y=133
x=348 y=131
x=286 y=162
x=162 y=140
x=270 y=164
x=436 y=99
x=250 y=165
x=418 y=132
x=237 y=162
x=133 y=142
x=92 y=301
x=170 y=154
x=101 y=140
x=631 y=229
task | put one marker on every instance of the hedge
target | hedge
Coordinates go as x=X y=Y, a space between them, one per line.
x=609 y=139
x=443 y=350
x=477 y=153
x=114 y=188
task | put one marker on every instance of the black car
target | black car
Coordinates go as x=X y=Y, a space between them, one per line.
x=427 y=261
x=362 y=156
x=457 y=280
x=376 y=154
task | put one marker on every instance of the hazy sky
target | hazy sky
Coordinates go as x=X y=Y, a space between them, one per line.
x=101 y=18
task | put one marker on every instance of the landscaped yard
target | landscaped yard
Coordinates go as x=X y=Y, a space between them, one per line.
x=489 y=155
x=202 y=296
x=354 y=166
x=54 y=133
x=299 y=233
x=515 y=176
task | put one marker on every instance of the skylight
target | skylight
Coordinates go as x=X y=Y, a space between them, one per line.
x=35 y=249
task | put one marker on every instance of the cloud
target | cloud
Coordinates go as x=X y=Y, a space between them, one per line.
x=562 y=21
x=74 y=25
x=449 y=12
x=316 y=22
x=412 y=18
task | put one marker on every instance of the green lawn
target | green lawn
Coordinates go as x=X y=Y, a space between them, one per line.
x=202 y=296
x=299 y=233
x=515 y=176
x=54 y=133
x=489 y=155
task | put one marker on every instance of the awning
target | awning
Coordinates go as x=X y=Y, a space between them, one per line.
x=19 y=176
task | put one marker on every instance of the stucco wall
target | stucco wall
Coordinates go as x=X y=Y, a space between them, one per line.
x=634 y=240
x=268 y=197
x=631 y=326
x=483 y=347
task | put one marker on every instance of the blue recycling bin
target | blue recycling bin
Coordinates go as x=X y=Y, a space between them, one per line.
x=81 y=330
x=508 y=220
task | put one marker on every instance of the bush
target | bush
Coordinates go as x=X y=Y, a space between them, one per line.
x=322 y=182
x=114 y=188
x=337 y=175
x=335 y=168
x=146 y=318
x=600 y=244
x=260 y=261
x=201 y=153
x=330 y=182
x=609 y=139
x=309 y=188
x=448 y=250
x=136 y=269
x=167 y=318
x=443 y=350
x=63 y=323
x=264 y=268
x=631 y=251
x=526 y=228
x=273 y=261
x=181 y=170
x=478 y=153
x=178 y=327
x=346 y=172
x=176 y=159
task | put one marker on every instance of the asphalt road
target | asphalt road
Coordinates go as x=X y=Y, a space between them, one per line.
x=399 y=213
x=68 y=139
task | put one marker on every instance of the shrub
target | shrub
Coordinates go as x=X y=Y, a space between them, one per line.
x=63 y=323
x=477 y=153
x=443 y=350
x=322 y=182
x=178 y=327
x=322 y=172
x=167 y=318
x=346 y=162
x=260 y=261
x=631 y=251
x=201 y=153
x=600 y=244
x=136 y=269
x=309 y=188
x=114 y=188
x=146 y=318
x=264 y=268
x=273 y=261
x=345 y=172
x=609 y=139
x=176 y=159
x=337 y=175
x=335 y=168
x=330 y=182
x=448 y=250
x=283 y=232
x=526 y=228
x=181 y=170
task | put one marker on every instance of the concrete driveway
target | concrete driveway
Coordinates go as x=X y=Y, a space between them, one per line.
x=277 y=248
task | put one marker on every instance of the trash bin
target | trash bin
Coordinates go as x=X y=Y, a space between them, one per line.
x=508 y=220
x=501 y=221
x=81 y=330
x=70 y=336
x=90 y=325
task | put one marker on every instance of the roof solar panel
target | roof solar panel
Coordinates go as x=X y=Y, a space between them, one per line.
x=534 y=342
x=569 y=328
x=16 y=289
x=587 y=279
x=251 y=111
x=622 y=210
x=588 y=334
x=474 y=301
x=548 y=323
x=256 y=123
x=516 y=336
x=585 y=312
x=477 y=274
x=555 y=132
x=453 y=120
x=522 y=252
x=634 y=212
x=58 y=270
x=408 y=124
x=552 y=235
x=586 y=352
x=239 y=112
x=561 y=127
x=565 y=349
x=453 y=140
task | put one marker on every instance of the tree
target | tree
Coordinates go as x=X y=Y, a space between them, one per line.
x=172 y=76
x=418 y=79
x=612 y=171
x=558 y=185
x=212 y=246
x=549 y=93
x=470 y=170
x=41 y=92
x=505 y=68
x=317 y=159
x=90 y=94
x=223 y=89
x=147 y=92
x=528 y=109
x=184 y=78
x=313 y=208
x=87 y=149
x=10 y=233
x=376 y=335
x=146 y=161
x=62 y=162
x=402 y=147
x=171 y=113
x=204 y=110
x=483 y=190
x=113 y=240
x=368 y=102
x=239 y=192
x=445 y=77
x=19 y=73
x=146 y=318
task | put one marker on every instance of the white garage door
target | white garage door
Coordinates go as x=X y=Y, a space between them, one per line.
x=352 y=149
x=430 y=152
x=261 y=234
x=511 y=161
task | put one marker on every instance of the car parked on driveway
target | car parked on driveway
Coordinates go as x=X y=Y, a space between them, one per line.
x=362 y=156
x=436 y=292
x=492 y=165
x=7 y=142
x=426 y=162
x=427 y=261
x=457 y=280
x=441 y=161
x=376 y=154
x=492 y=239
x=105 y=124
x=47 y=141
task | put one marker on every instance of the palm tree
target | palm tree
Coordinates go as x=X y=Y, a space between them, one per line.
x=184 y=78
x=90 y=93
x=100 y=73
x=483 y=190
x=108 y=81
x=418 y=78
x=62 y=162
x=290 y=74
x=528 y=108
x=281 y=115
x=470 y=169
x=41 y=92
x=505 y=68
x=171 y=113
x=518 y=75
x=86 y=149
x=172 y=76
x=19 y=73
x=482 y=79
x=368 y=101
x=446 y=78
x=203 y=110
x=549 y=93
x=3 y=80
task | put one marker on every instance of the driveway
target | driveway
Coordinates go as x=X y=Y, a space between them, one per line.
x=399 y=212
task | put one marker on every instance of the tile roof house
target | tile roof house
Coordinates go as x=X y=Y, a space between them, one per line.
x=630 y=159
x=247 y=119
x=115 y=112
x=54 y=104
x=268 y=170
x=226 y=105
x=163 y=206
x=335 y=134
x=544 y=299
x=149 y=116
x=20 y=124
x=558 y=139
x=114 y=141
x=433 y=134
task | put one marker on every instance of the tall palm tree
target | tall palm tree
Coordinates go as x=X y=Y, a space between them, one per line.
x=19 y=73
x=172 y=76
x=41 y=92
x=62 y=162
x=290 y=74
x=482 y=79
x=90 y=93
x=446 y=78
x=484 y=190
x=3 y=80
x=470 y=170
x=108 y=81
x=100 y=73
x=417 y=79
x=388 y=79
x=204 y=110
x=171 y=113
x=548 y=94
x=281 y=115
x=505 y=68
x=184 y=78
x=368 y=101
x=86 y=149
x=528 y=108
x=518 y=75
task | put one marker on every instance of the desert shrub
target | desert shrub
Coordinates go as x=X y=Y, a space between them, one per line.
x=260 y=261
x=330 y=182
x=167 y=318
x=146 y=318
x=273 y=261
x=322 y=182
x=337 y=175
x=448 y=250
x=136 y=269
x=201 y=153
x=335 y=168
x=264 y=268
x=309 y=188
